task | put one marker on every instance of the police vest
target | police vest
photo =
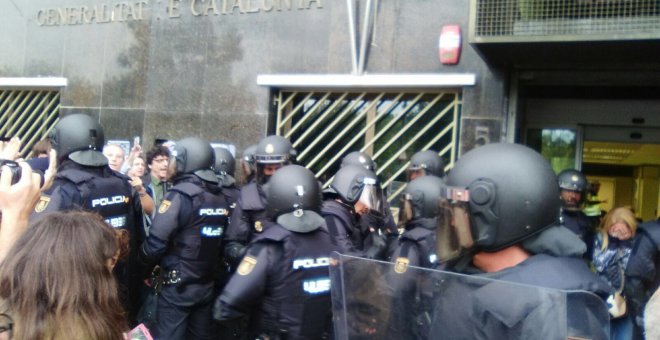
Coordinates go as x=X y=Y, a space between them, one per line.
x=299 y=299
x=425 y=240
x=110 y=196
x=350 y=224
x=253 y=203
x=202 y=224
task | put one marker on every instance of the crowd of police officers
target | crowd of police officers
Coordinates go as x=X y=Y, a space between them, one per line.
x=224 y=261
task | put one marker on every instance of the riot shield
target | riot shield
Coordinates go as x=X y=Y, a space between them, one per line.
x=382 y=300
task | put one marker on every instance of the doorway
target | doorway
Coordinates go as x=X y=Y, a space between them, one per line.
x=611 y=134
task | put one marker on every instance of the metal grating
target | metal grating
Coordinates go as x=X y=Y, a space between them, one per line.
x=389 y=126
x=582 y=18
x=28 y=114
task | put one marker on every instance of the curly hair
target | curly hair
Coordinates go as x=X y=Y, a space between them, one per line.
x=56 y=281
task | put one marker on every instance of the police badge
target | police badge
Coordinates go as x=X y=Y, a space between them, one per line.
x=258 y=226
x=246 y=265
x=401 y=265
x=164 y=205
x=42 y=204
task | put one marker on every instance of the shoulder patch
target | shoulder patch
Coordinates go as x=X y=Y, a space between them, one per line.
x=42 y=204
x=246 y=265
x=401 y=265
x=164 y=205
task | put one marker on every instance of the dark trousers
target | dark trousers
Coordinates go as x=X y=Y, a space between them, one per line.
x=179 y=322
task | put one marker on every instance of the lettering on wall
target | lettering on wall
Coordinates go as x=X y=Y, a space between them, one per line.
x=171 y=9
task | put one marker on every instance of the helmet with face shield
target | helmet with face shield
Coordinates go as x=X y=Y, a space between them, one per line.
x=359 y=187
x=421 y=199
x=497 y=195
x=273 y=152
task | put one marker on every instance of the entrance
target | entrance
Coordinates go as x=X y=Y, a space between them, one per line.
x=611 y=134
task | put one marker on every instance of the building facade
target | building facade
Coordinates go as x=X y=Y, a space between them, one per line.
x=567 y=77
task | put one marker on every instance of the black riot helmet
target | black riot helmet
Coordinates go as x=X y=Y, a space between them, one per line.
x=224 y=166
x=293 y=198
x=272 y=150
x=421 y=199
x=80 y=138
x=573 y=180
x=497 y=195
x=195 y=156
x=426 y=162
x=359 y=158
x=354 y=183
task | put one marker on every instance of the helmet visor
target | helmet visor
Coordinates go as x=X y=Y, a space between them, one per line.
x=454 y=232
x=372 y=198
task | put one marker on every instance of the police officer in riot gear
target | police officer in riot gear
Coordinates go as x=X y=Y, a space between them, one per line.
x=426 y=162
x=84 y=181
x=417 y=212
x=573 y=190
x=225 y=166
x=185 y=241
x=283 y=280
x=354 y=193
x=386 y=224
x=416 y=247
x=499 y=198
x=249 y=216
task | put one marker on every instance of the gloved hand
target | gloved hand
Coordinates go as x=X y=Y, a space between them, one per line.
x=378 y=246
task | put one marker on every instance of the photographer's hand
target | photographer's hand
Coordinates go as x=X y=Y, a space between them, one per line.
x=16 y=204
x=10 y=150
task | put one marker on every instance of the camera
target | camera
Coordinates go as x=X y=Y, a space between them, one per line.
x=15 y=170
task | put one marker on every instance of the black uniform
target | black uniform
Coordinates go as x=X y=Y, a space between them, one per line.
x=579 y=223
x=248 y=218
x=500 y=312
x=186 y=237
x=343 y=226
x=417 y=244
x=643 y=270
x=108 y=193
x=284 y=281
x=416 y=247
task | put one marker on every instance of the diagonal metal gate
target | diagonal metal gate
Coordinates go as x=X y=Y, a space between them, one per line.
x=390 y=126
x=28 y=114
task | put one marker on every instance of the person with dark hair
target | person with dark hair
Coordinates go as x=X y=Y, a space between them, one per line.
x=248 y=168
x=85 y=182
x=185 y=241
x=158 y=159
x=53 y=288
x=40 y=155
x=283 y=280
